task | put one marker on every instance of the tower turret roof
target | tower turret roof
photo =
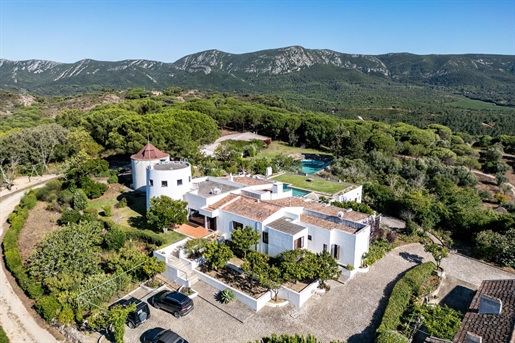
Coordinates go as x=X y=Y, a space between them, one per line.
x=149 y=152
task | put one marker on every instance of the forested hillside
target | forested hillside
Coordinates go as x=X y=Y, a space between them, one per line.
x=420 y=174
x=390 y=88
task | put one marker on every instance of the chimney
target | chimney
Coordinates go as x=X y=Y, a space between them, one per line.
x=230 y=177
x=277 y=188
x=490 y=305
x=473 y=338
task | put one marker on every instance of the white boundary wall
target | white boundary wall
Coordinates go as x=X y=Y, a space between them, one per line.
x=255 y=304
x=298 y=298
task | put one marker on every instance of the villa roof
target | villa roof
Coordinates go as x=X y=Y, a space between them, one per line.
x=493 y=328
x=249 y=181
x=251 y=208
x=149 y=152
x=326 y=224
x=322 y=208
x=220 y=203
x=285 y=225
x=211 y=187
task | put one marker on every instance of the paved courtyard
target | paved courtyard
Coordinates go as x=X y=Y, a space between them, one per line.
x=349 y=312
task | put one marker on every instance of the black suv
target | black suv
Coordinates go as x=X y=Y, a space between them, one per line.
x=138 y=316
x=160 y=335
x=174 y=302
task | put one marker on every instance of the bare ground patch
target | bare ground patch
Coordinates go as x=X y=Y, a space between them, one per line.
x=39 y=223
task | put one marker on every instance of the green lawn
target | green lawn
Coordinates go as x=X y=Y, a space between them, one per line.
x=300 y=181
x=278 y=147
x=133 y=214
x=171 y=237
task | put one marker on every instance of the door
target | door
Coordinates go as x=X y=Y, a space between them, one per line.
x=212 y=224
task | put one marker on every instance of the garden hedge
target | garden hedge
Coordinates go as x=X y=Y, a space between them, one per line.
x=12 y=256
x=408 y=285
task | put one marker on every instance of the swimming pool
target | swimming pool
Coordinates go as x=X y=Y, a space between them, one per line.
x=312 y=166
x=295 y=191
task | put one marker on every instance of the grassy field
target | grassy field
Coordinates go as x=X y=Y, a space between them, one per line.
x=133 y=215
x=478 y=105
x=300 y=181
x=278 y=147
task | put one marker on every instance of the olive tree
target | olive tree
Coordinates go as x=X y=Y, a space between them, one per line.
x=243 y=239
x=164 y=212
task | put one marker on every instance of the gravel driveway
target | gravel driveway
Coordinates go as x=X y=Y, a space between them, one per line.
x=348 y=312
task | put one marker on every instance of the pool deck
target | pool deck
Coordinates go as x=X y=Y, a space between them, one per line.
x=290 y=180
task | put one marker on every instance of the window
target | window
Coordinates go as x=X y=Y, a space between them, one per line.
x=309 y=237
x=265 y=237
x=325 y=247
x=164 y=183
x=189 y=178
x=237 y=226
x=163 y=160
x=335 y=251
x=299 y=243
x=179 y=182
x=151 y=182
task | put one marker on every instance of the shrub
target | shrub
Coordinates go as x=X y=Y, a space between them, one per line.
x=226 y=296
x=391 y=337
x=442 y=322
x=92 y=188
x=115 y=239
x=69 y=216
x=42 y=194
x=112 y=179
x=66 y=315
x=349 y=267
x=29 y=201
x=501 y=197
x=47 y=307
x=65 y=197
x=411 y=228
x=108 y=211
x=122 y=203
x=376 y=252
x=408 y=285
x=80 y=200
x=90 y=214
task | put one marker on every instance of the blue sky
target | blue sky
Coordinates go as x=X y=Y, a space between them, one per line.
x=166 y=30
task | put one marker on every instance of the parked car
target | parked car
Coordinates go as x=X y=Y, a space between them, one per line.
x=139 y=315
x=174 y=302
x=160 y=335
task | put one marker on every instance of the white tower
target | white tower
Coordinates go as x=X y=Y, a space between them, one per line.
x=147 y=156
x=172 y=179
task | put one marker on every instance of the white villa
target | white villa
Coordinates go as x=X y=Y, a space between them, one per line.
x=284 y=222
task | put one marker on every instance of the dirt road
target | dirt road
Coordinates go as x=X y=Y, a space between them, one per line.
x=16 y=321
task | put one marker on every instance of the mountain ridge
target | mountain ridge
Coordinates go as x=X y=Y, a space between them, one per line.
x=486 y=76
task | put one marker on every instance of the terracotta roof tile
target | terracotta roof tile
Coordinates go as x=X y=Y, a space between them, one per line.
x=493 y=328
x=221 y=202
x=251 y=208
x=149 y=152
x=326 y=224
x=322 y=208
